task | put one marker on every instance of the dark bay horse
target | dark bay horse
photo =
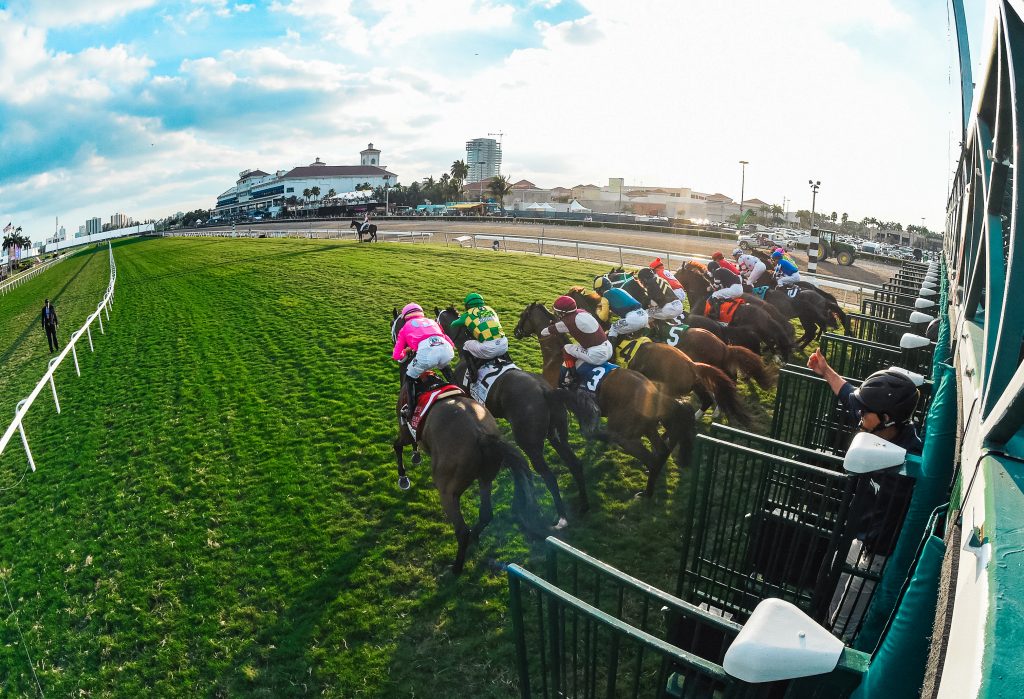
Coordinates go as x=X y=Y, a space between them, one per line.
x=816 y=310
x=634 y=406
x=536 y=412
x=677 y=372
x=371 y=231
x=466 y=447
x=777 y=336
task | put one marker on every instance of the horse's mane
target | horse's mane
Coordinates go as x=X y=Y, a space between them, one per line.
x=586 y=293
x=696 y=266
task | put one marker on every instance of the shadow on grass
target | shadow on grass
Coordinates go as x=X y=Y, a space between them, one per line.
x=54 y=298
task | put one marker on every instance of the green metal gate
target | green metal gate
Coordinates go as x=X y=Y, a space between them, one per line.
x=858 y=359
x=888 y=332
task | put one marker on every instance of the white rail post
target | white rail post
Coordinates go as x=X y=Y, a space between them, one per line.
x=99 y=317
x=24 y=439
x=74 y=352
x=53 y=386
x=89 y=331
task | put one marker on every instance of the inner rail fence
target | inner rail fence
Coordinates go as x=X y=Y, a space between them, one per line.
x=36 y=270
x=17 y=425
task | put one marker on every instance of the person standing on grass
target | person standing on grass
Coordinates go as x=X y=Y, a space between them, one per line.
x=49 y=320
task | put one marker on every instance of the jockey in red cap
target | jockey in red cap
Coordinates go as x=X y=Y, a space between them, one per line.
x=594 y=346
x=728 y=264
x=659 y=268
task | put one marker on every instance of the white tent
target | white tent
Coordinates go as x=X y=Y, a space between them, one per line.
x=537 y=206
x=577 y=208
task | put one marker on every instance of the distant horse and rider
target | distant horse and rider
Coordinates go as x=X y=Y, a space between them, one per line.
x=366 y=228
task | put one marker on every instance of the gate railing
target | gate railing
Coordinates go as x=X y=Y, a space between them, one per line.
x=858 y=359
x=873 y=329
x=886 y=311
x=17 y=425
x=15 y=282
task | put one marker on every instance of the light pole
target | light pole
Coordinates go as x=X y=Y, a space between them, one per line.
x=481 y=182
x=387 y=192
x=743 y=186
x=812 y=251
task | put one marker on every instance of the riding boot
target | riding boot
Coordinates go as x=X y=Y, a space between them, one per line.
x=565 y=377
x=412 y=394
x=448 y=374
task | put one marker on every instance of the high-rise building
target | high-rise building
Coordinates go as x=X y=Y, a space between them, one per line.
x=81 y=232
x=483 y=156
x=120 y=221
x=94 y=226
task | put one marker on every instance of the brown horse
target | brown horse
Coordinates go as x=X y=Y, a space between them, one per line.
x=534 y=409
x=465 y=446
x=633 y=405
x=679 y=374
x=775 y=333
x=703 y=346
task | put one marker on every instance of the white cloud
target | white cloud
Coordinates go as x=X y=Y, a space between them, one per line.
x=63 y=13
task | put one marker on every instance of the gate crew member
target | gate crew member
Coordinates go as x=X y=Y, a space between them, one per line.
x=664 y=304
x=632 y=315
x=594 y=346
x=430 y=347
x=659 y=268
x=751 y=266
x=488 y=340
x=728 y=286
x=786 y=272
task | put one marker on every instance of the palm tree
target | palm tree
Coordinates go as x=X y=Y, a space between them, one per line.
x=500 y=187
x=330 y=193
x=460 y=171
x=306 y=193
x=315 y=191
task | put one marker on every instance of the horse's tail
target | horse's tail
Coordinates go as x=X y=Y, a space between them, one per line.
x=716 y=382
x=524 y=500
x=680 y=424
x=743 y=360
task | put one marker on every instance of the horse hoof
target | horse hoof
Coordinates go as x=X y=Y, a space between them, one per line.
x=562 y=523
x=403 y=483
x=416 y=458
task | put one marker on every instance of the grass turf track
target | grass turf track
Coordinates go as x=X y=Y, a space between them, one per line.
x=215 y=511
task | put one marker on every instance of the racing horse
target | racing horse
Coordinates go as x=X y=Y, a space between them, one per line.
x=635 y=407
x=534 y=409
x=677 y=372
x=371 y=231
x=466 y=447
x=705 y=345
x=764 y=320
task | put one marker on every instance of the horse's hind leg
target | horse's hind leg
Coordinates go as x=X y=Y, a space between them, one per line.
x=634 y=446
x=810 y=332
x=486 y=511
x=558 y=435
x=450 y=504
x=535 y=453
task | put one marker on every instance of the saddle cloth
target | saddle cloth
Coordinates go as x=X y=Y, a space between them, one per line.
x=627 y=349
x=591 y=376
x=670 y=334
x=792 y=291
x=427 y=400
x=760 y=291
x=725 y=311
x=486 y=376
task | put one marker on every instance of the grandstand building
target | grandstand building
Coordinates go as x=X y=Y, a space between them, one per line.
x=257 y=190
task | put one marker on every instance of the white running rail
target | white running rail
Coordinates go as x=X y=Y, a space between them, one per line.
x=26 y=403
x=17 y=281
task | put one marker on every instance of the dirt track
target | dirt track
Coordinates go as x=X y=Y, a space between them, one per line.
x=861 y=271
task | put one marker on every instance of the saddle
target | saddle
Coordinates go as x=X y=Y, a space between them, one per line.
x=487 y=374
x=426 y=400
x=726 y=310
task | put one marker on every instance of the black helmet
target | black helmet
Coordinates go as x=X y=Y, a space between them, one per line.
x=889 y=393
x=712 y=266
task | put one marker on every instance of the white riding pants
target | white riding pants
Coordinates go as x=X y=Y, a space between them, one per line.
x=670 y=310
x=729 y=292
x=631 y=323
x=756 y=273
x=596 y=355
x=488 y=349
x=680 y=294
x=789 y=279
x=432 y=353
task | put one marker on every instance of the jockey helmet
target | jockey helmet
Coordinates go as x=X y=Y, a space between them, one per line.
x=737 y=252
x=410 y=309
x=717 y=255
x=564 y=304
x=655 y=263
x=890 y=393
x=473 y=300
x=712 y=266
x=777 y=255
x=602 y=284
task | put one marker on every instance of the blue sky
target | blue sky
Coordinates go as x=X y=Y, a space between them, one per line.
x=148 y=108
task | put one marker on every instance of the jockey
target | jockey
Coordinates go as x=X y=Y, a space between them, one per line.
x=659 y=268
x=786 y=272
x=664 y=303
x=750 y=266
x=722 y=262
x=430 y=347
x=632 y=314
x=593 y=345
x=729 y=286
x=488 y=339
x=365 y=225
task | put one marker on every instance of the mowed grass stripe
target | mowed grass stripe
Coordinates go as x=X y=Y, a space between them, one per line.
x=215 y=511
